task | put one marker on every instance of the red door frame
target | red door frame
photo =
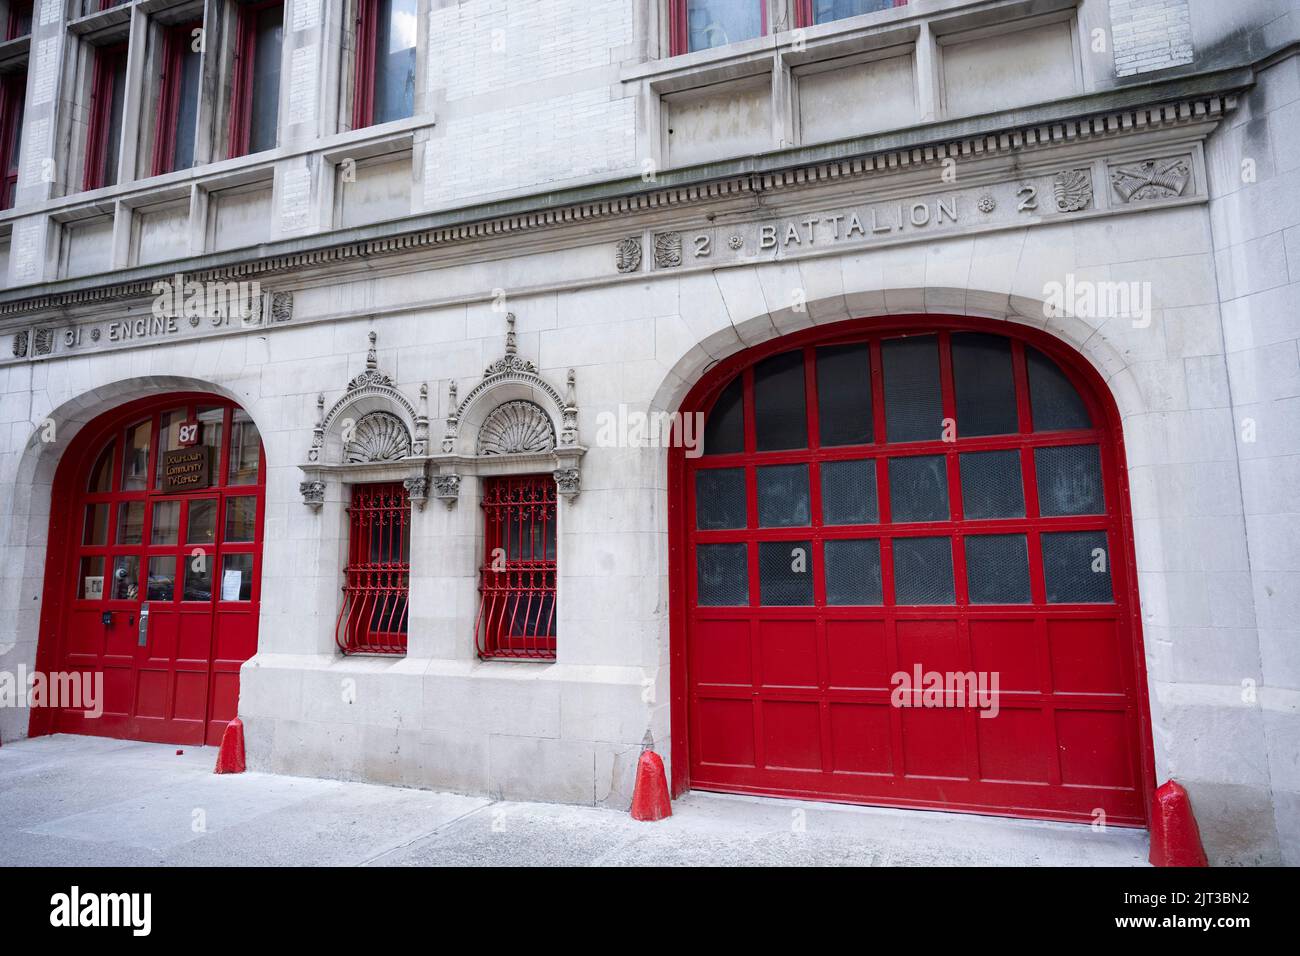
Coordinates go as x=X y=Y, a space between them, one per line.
x=1083 y=376
x=66 y=523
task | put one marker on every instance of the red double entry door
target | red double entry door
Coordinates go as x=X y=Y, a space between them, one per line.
x=906 y=578
x=154 y=571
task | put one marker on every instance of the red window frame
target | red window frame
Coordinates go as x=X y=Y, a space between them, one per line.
x=677 y=35
x=175 y=41
x=13 y=94
x=377 y=577
x=803 y=12
x=16 y=9
x=241 y=97
x=516 y=617
x=363 y=90
x=101 y=111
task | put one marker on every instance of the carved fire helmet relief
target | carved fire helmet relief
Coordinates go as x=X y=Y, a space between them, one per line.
x=516 y=428
x=378 y=436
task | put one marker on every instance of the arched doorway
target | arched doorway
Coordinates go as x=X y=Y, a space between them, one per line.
x=902 y=575
x=153 y=574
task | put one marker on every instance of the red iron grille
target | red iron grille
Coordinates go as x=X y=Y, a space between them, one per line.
x=516 y=617
x=378 y=572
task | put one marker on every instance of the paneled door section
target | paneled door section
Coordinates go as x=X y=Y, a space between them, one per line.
x=943 y=505
x=159 y=519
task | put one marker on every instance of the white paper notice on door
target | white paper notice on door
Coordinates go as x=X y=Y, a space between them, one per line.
x=231 y=579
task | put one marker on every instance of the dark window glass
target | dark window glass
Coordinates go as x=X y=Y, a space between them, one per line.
x=985 y=385
x=724 y=429
x=90 y=582
x=826 y=10
x=1076 y=567
x=96 y=528
x=198 y=578
x=135 y=462
x=720 y=498
x=853 y=572
x=126 y=578
x=162 y=578
x=1055 y=403
x=187 y=104
x=1069 y=480
x=166 y=522
x=722 y=575
x=202 y=524
x=780 y=408
x=241 y=518
x=245 y=448
x=849 y=492
x=711 y=23
x=394 y=60
x=783 y=496
x=237 y=580
x=918 y=489
x=113 y=132
x=101 y=476
x=997 y=569
x=913 y=402
x=785 y=573
x=268 y=34
x=923 y=571
x=844 y=394
x=991 y=485
x=130 y=522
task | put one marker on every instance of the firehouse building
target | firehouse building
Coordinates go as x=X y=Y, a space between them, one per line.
x=879 y=401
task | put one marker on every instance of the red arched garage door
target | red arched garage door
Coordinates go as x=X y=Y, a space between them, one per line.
x=157 y=506
x=944 y=502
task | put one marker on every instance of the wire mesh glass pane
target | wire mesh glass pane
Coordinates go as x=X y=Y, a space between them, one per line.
x=844 y=394
x=783 y=496
x=853 y=572
x=923 y=571
x=720 y=498
x=724 y=428
x=918 y=489
x=849 y=492
x=985 y=385
x=780 y=412
x=1069 y=480
x=722 y=575
x=1056 y=405
x=997 y=569
x=1076 y=567
x=913 y=403
x=991 y=485
x=785 y=573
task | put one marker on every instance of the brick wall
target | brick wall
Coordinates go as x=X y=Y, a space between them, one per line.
x=1150 y=35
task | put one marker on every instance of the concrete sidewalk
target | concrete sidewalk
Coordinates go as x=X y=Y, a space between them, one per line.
x=88 y=801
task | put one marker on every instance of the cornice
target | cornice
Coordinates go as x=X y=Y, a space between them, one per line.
x=1114 y=113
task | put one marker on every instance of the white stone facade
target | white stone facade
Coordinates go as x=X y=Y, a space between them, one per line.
x=554 y=122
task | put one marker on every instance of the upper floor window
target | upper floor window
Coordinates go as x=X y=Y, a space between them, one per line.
x=178 y=99
x=704 y=24
x=385 y=79
x=104 y=137
x=20 y=19
x=13 y=93
x=824 y=11
x=255 y=110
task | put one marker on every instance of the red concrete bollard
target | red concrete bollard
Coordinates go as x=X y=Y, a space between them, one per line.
x=1175 y=837
x=230 y=758
x=650 y=800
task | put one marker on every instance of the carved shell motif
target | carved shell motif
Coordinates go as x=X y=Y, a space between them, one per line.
x=514 y=428
x=379 y=436
x=1073 y=190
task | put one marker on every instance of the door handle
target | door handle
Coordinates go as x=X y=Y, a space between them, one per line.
x=144 y=625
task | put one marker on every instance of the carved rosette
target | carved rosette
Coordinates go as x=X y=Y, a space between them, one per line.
x=313 y=494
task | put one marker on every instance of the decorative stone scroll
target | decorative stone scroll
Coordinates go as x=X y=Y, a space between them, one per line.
x=1073 y=190
x=627 y=254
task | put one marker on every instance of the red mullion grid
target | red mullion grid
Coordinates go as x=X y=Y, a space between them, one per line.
x=749 y=422
x=677 y=32
x=100 y=115
x=363 y=89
